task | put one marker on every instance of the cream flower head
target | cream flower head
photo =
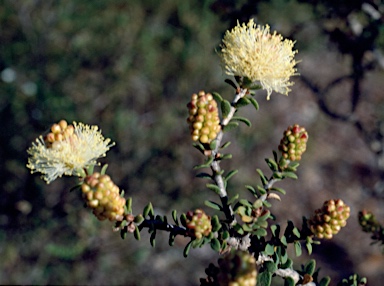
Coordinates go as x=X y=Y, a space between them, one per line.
x=251 y=51
x=67 y=150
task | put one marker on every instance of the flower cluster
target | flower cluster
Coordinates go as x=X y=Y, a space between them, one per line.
x=67 y=150
x=294 y=143
x=328 y=220
x=103 y=196
x=251 y=51
x=203 y=117
x=237 y=268
x=198 y=223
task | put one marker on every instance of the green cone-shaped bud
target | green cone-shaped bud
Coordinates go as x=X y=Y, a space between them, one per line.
x=198 y=223
x=237 y=268
x=204 y=121
x=103 y=196
x=294 y=143
x=328 y=220
x=368 y=221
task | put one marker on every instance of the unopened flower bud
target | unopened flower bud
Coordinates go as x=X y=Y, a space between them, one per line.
x=204 y=121
x=198 y=223
x=294 y=143
x=328 y=220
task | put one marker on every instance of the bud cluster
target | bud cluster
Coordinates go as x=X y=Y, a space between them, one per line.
x=59 y=132
x=198 y=223
x=294 y=143
x=237 y=268
x=103 y=196
x=328 y=220
x=203 y=117
x=368 y=222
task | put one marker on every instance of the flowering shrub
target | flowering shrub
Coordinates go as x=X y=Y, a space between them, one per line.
x=254 y=247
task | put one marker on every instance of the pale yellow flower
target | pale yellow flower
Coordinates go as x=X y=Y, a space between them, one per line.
x=68 y=155
x=268 y=59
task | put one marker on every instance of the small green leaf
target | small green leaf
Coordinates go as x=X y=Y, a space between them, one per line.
x=136 y=233
x=310 y=267
x=289 y=175
x=225 y=145
x=287 y=264
x=199 y=146
x=214 y=188
x=251 y=189
x=254 y=102
x=152 y=239
x=230 y=174
x=247 y=228
x=269 y=249
x=264 y=278
x=233 y=199
x=238 y=228
x=215 y=244
x=270 y=265
x=272 y=164
x=283 y=240
x=187 y=248
x=242 y=102
x=225 y=235
x=212 y=145
x=325 y=281
x=216 y=225
x=284 y=256
x=288 y=281
x=206 y=164
x=104 y=169
x=183 y=219
x=231 y=83
x=242 y=119
x=277 y=175
x=217 y=97
x=297 y=248
x=257 y=204
x=296 y=232
x=260 y=232
x=139 y=219
x=245 y=202
x=267 y=204
x=275 y=228
x=225 y=108
x=204 y=175
x=123 y=233
x=309 y=247
x=226 y=156
x=231 y=125
x=263 y=178
x=174 y=216
x=129 y=205
x=261 y=190
x=147 y=210
x=280 y=190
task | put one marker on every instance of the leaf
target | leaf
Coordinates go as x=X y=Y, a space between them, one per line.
x=272 y=164
x=289 y=175
x=264 y=279
x=216 y=225
x=139 y=219
x=148 y=210
x=231 y=83
x=204 y=175
x=129 y=205
x=215 y=244
x=214 y=188
x=283 y=240
x=233 y=199
x=199 y=146
x=242 y=102
x=217 y=97
x=257 y=204
x=242 y=119
x=260 y=232
x=123 y=233
x=225 y=108
x=275 y=230
x=238 y=228
x=288 y=281
x=271 y=267
x=297 y=248
x=254 y=102
x=136 y=233
x=325 y=281
x=205 y=164
x=280 y=190
x=174 y=216
x=187 y=248
x=231 y=125
x=245 y=202
x=104 y=169
x=269 y=249
x=230 y=174
x=213 y=205
x=296 y=232
x=261 y=190
x=267 y=204
x=183 y=219
x=212 y=145
x=309 y=247
x=310 y=267
x=263 y=178
x=225 y=145
x=226 y=156
x=251 y=189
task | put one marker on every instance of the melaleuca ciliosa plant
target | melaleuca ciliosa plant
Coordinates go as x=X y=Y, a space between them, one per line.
x=253 y=247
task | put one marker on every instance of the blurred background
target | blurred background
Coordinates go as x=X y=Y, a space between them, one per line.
x=130 y=67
